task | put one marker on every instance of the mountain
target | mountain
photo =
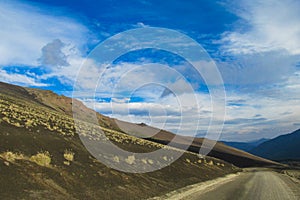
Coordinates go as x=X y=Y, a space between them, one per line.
x=246 y=146
x=281 y=148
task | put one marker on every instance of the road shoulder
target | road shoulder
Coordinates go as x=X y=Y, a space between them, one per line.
x=206 y=186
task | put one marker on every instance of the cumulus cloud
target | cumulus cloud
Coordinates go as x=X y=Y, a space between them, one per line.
x=52 y=54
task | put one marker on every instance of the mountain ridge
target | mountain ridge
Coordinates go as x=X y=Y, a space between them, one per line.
x=281 y=148
x=245 y=146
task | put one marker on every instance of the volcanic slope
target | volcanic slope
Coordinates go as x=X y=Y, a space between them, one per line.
x=42 y=156
x=63 y=105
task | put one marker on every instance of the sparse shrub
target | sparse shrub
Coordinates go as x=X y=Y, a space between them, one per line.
x=69 y=155
x=130 y=160
x=150 y=161
x=6 y=119
x=210 y=163
x=116 y=159
x=41 y=158
x=67 y=163
x=29 y=123
x=165 y=158
x=144 y=161
x=17 y=124
x=11 y=157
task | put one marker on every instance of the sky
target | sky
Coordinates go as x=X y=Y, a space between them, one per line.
x=255 y=45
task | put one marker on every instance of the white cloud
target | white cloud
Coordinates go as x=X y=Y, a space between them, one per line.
x=26 y=29
x=255 y=115
x=265 y=25
x=131 y=78
x=19 y=79
x=265 y=44
x=261 y=75
x=141 y=25
x=248 y=115
x=166 y=112
x=175 y=113
x=259 y=69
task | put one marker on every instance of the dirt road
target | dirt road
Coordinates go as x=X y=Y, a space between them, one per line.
x=254 y=184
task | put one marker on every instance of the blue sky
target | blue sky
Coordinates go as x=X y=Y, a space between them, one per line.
x=255 y=45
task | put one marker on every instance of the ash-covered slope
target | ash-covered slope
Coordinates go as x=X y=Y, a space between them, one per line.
x=63 y=105
x=42 y=157
x=220 y=150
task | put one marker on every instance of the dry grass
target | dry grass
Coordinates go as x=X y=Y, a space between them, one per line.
x=130 y=160
x=42 y=159
x=11 y=157
x=116 y=159
x=210 y=162
x=69 y=155
x=67 y=163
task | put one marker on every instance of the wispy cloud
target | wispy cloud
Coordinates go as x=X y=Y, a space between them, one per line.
x=265 y=25
x=260 y=69
x=26 y=29
x=20 y=79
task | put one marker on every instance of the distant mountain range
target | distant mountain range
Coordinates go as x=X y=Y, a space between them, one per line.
x=246 y=146
x=282 y=148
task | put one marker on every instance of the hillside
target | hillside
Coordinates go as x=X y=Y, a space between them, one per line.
x=42 y=157
x=281 y=148
x=220 y=150
x=63 y=105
